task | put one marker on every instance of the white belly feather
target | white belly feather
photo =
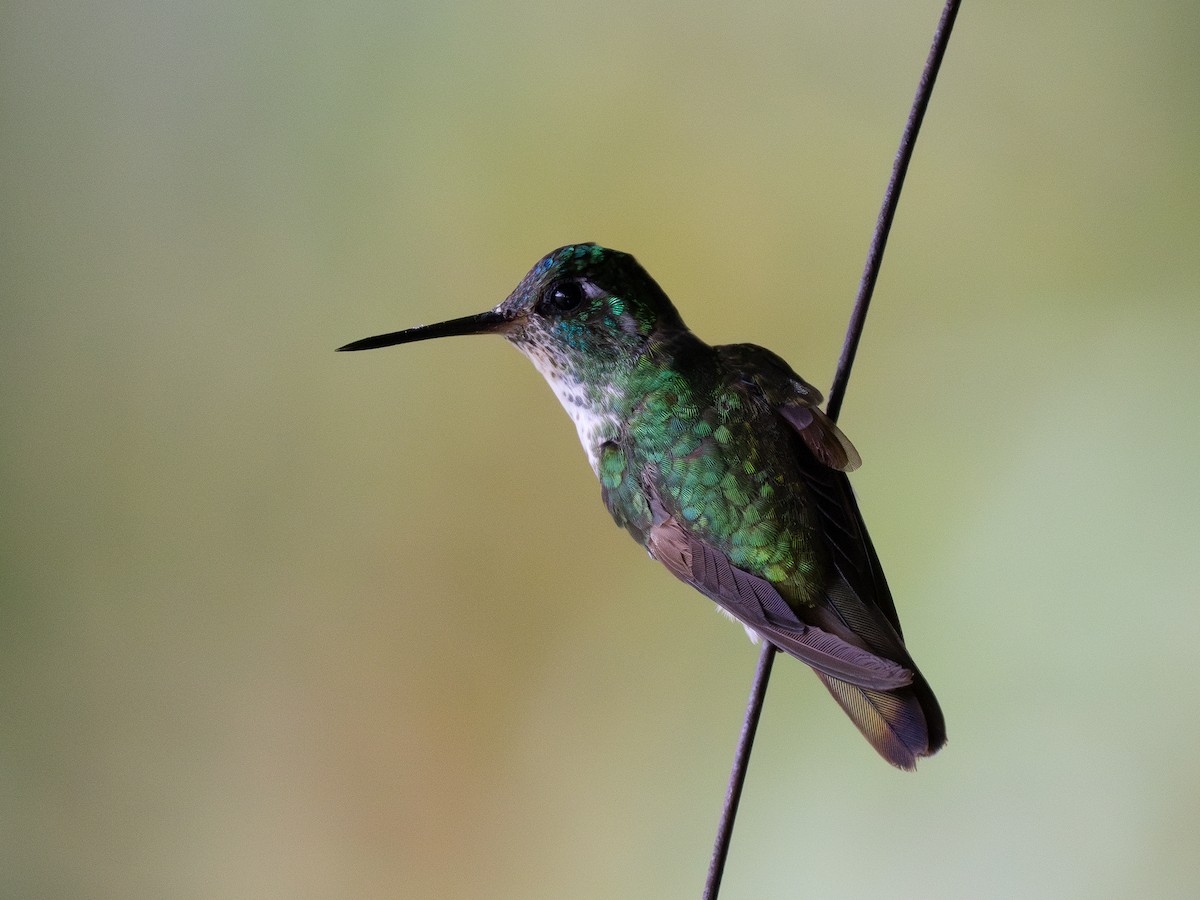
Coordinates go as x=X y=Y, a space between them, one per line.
x=588 y=406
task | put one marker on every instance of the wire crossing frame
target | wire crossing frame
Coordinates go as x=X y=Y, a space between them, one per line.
x=858 y=318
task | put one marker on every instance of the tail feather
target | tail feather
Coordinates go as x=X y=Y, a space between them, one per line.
x=902 y=725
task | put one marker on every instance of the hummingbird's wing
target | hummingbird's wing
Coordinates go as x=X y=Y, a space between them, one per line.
x=756 y=603
x=794 y=399
x=862 y=602
x=902 y=724
x=636 y=505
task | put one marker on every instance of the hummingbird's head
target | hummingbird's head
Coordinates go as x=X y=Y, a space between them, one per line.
x=581 y=311
x=587 y=309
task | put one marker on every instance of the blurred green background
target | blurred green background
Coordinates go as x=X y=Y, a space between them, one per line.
x=279 y=622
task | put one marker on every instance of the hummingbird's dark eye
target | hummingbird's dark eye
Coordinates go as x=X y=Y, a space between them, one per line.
x=565 y=297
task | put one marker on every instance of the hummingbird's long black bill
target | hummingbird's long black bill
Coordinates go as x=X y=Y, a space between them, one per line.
x=481 y=323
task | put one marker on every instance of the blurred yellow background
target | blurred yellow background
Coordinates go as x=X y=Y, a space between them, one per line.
x=281 y=622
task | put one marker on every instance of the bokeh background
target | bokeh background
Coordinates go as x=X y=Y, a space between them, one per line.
x=280 y=622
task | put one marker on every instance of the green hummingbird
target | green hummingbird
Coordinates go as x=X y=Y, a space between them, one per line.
x=719 y=461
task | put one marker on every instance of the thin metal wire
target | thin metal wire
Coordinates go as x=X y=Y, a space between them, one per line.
x=737 y=777
x=837 y=392
x=891 y=198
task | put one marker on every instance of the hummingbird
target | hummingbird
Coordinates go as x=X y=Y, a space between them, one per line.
x=719 y=461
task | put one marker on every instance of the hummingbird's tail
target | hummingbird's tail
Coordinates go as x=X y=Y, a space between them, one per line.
x=902 y=724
